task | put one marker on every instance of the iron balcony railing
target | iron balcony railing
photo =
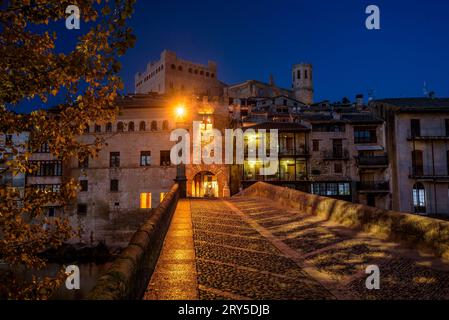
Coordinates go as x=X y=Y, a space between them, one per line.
x=429 y=172
x=381 y=160
x=301 y=150
x=431 y=133
x=373 y=186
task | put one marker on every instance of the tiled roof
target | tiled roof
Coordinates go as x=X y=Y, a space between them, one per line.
x=416 y=102
x=284 y=126
x=361 y=118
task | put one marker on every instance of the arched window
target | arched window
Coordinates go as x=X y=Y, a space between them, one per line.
x=153 y=125
x=142 y=126
x=97 y=128
x=120 y=126
x=108 y=127
x=196 y=71
x=131 y=126
x=165 y=125
x=419 y=198
x=86 y=128
x=190 y=70
x=173 y=66
x=179 y=68
x=201 y=72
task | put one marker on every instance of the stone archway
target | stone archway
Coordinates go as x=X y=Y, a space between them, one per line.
x=216 y=175
x=204 y=184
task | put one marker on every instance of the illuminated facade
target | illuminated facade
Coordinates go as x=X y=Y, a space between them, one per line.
x=172 y=75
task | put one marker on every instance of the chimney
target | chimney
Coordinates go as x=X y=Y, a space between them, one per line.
x=271 y=80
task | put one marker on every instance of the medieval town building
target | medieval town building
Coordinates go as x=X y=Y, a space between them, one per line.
x=392 y=154
x=417 y=131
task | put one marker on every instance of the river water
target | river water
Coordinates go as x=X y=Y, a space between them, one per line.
x=89 y=273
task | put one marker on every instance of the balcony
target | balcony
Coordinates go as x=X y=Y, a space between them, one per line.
x=373 y=186
x=428 y=134
x=429 y=172
x=338 y=154
x=380 y=161
x=299 y=151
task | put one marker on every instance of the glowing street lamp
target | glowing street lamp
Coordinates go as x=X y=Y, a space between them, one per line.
x=180 y=111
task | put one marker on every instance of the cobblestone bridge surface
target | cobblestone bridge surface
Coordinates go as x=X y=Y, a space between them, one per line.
x=244 y=248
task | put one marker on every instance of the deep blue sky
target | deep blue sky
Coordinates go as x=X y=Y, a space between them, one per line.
x=252 y=38
x=249 y=39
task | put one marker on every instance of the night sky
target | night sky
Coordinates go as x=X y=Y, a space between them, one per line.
x=251 y=39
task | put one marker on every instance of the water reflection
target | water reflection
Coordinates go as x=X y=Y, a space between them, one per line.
x=88 y=276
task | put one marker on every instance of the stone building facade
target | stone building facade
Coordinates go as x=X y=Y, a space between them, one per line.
x=393 y=154
x=417 y=131
x=173 y=75
x=345 y=148
x=133 y=170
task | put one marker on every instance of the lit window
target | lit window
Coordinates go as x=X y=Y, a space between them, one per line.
x=145 y=200
x=344 y=189
x=162 y=196
x=419 y=198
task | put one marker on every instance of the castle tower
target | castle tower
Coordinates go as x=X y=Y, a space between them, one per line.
x=303 y=82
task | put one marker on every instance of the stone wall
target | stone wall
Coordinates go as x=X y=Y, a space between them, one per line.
x=417 y=231
x=130 y=273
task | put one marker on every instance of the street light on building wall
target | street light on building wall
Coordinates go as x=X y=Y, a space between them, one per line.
x=180 y=113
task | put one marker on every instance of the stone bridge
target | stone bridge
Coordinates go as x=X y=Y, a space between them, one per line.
x=276 y=243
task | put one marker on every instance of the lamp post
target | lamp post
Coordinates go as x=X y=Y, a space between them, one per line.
x=181 y=178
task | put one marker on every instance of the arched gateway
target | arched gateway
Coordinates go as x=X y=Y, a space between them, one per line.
x=207 y=181
x=204 y=184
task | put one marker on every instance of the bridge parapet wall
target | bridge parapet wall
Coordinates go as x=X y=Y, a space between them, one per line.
x=128 y=276
x=413 y=230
